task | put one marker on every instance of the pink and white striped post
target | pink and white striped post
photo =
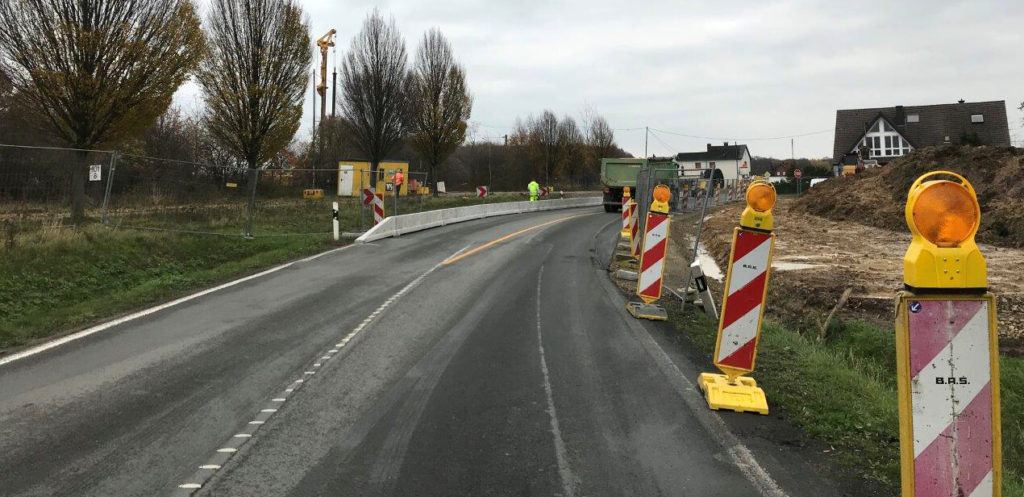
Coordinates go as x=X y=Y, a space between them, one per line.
x=947 y=358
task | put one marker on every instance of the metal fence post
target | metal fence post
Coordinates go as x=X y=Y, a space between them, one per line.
x=254 y=175
x=104 y=217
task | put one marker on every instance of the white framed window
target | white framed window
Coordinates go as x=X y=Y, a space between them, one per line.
x=977 y=118
x=696 y=165
x=913 y=118
x=883 y=141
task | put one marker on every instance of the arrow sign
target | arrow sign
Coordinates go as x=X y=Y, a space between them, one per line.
x=481 y=191
x=543 y=191
x=367 y=196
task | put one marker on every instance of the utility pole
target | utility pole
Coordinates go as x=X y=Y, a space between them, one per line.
x=646 y=132
x=334 y=92
x=792 y=150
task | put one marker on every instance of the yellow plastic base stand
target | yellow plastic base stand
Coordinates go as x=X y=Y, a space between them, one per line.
x=742 y=395
x=641 y=310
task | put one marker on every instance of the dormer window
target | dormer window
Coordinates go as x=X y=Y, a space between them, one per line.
x=913 y=118
x=977 y=118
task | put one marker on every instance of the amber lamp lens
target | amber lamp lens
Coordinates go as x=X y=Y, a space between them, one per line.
x=945 y=214
x=761 y=197
x=661 y=193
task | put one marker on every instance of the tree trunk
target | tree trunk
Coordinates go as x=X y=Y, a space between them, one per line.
x=79 y=171
x=433 y=176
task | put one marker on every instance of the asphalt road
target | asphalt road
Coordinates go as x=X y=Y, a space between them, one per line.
x=487 y=358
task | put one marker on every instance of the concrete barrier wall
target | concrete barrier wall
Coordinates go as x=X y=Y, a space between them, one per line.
x=410 y=223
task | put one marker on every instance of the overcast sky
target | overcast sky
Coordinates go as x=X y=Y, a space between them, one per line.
x=728 y=70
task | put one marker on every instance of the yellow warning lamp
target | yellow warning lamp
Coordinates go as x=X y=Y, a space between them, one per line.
x=661 y=196
x=760 y=200
x=943 y=217
x=625 y=192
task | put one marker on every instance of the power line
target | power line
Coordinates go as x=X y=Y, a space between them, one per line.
x=667 y=146
x=787 y=137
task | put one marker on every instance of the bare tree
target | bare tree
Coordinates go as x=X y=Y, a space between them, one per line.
x=98 y=71
x=255 y=78
x=441 y=101
x=375 y=84
x=600 y=140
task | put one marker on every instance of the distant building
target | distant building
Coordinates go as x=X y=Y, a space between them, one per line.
x=885 y=133
x=728 y=162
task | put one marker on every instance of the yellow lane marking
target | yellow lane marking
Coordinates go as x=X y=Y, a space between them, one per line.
x=498 y=240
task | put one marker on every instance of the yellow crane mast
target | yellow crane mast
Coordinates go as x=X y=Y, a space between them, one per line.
x=326 y=41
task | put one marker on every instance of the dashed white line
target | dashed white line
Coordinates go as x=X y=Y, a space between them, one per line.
x=190 y=485
x=210 y=466
x=340 y=344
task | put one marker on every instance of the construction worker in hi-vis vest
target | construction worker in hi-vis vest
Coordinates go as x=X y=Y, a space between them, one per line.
x=399 y=179
x=534 y=190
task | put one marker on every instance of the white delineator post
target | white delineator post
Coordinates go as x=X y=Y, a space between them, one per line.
x=337 y=226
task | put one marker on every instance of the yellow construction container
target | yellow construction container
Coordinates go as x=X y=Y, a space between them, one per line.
x=354 y=175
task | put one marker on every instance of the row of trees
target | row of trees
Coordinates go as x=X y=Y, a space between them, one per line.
x=102 y=74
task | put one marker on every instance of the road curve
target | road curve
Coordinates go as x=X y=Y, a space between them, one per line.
x=487 y=358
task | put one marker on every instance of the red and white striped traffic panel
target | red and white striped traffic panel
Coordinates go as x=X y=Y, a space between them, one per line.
x=951 y=397
x=378 y=208
x=652 y=262
x=634 y=228
x=745 y=289
x=367 y=197
x=481 y=191
x=627 y=205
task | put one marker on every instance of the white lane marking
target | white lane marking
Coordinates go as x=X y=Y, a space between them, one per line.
x=243 y=435
x=190 y=485
x=278 y=399
x=710 y=421
x=145 y=312
x=564 y=471
x=310 y=372
x=210 y=466
x=228 y=450
x=344 y=341
x=289 y=390
x=316 y=365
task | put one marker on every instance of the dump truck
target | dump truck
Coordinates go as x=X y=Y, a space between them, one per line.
x=616 y=174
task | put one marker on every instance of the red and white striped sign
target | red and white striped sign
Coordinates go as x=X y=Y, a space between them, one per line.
x=378 y=208
x=953 y=406
x=652 y=261
x=367 y=197
x=745 y=287
x=481 y=191
x=634 y=228
x=627 y=214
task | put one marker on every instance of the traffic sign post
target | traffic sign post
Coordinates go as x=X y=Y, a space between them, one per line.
x=739 y=327
x=947 y=358
x=799 y=183
x=652 y=259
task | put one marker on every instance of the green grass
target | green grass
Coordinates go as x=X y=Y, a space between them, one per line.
x=842 y=391
x=57 y=278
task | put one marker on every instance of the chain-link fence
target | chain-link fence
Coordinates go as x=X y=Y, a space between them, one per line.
x=38 y=187
x=132 y=191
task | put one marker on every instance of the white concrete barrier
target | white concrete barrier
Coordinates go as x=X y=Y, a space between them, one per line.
x=410 y=223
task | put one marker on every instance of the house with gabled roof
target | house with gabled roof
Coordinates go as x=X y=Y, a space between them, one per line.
x=727 y=162
x=882 y=134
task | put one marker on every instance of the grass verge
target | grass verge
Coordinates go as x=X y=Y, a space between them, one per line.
x=842 y=391
x=58 y=278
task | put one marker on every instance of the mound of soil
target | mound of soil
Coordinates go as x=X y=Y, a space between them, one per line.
x=878 y=196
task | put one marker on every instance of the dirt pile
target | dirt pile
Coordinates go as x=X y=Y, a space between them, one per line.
x=878 y=196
